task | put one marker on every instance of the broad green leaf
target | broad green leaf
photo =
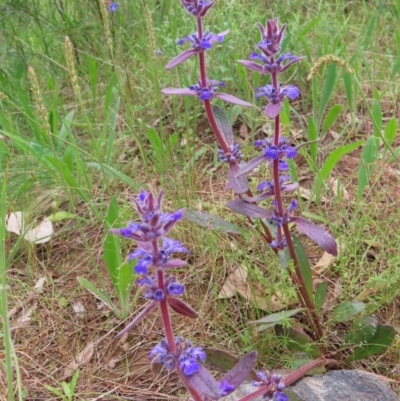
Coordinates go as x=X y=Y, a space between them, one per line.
x=126 y=280
x=367 y=158
x=320 y=294
x=277 y=317
x=371 y=337
x=331 y=117
x=65 y=129
x=304 y=265
x=302 y=358
x=112 y=244
x=156 y=143
x=346 y=310
x=368 y=31
x=391 y=131
x=297 y=340
x=58 y=216
x=329 y=84
x=331 y=162
x=361 y=331
x=97 y=293
x=211 y=222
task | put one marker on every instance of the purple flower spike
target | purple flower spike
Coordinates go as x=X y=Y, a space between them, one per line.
x=271 y=37
x=198 y=45
x=197 y=8
x=206 y=93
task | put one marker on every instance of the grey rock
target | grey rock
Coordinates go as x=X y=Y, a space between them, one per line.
x=338 y=385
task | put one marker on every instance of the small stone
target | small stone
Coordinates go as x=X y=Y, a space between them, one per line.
x=337 y=385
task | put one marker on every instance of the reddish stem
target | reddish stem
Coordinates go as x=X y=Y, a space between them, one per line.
x=291 y=378
x=298 y=280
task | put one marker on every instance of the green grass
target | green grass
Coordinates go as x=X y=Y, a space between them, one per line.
x=121 y=134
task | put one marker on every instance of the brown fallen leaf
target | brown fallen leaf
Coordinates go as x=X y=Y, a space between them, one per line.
x=306 y=194
x=237 y=283
x=335 y=185
x=81 y=359
x=324 y=263
x=230 y=287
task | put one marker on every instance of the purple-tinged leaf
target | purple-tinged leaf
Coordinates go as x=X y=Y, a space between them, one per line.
x=180 y=58
x=223 y=361
x=238 y=184
x=251 y=165
x=259 y=198
x=324 y=239
x=179 y=91
x=240 y=371
x=272 y=110
x=223 y=123
x=290 y=187
x=212 y=222
x=232 y=99
x=248 y=209
x=203 y=382
x=182 y=308
x=251 y=65
x=174 y=263
x=138 y=318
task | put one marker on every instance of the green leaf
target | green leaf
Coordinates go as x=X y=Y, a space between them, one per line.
x=331 y=117
x=304 y=265
x=377 y=119
x=58 y=216
x=297 y=340
x=348 y=87
x=372 y=338
x=390 y=131
x=156 y=143
x=97 y=293
x=126 y=280
x=300 y=359
x=331 y=162
x=112 y=244
x=320 y=294
x=361 y=331
x=277 y=317
x=346 y=310
x=329 y=84
x=368 y=156
x=211 y=222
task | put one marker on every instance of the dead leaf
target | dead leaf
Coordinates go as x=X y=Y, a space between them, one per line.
x=230 y=287
x=15 y=223
x=324 y=263
x=39 y=284
x=237 y=283
x=79 y=309
x=23 y=319
x=306 y=194
x=335 y=185
x=41 y=233
x=334 y=134
x=82 y=359
x=38 y=235
x=244 y=132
